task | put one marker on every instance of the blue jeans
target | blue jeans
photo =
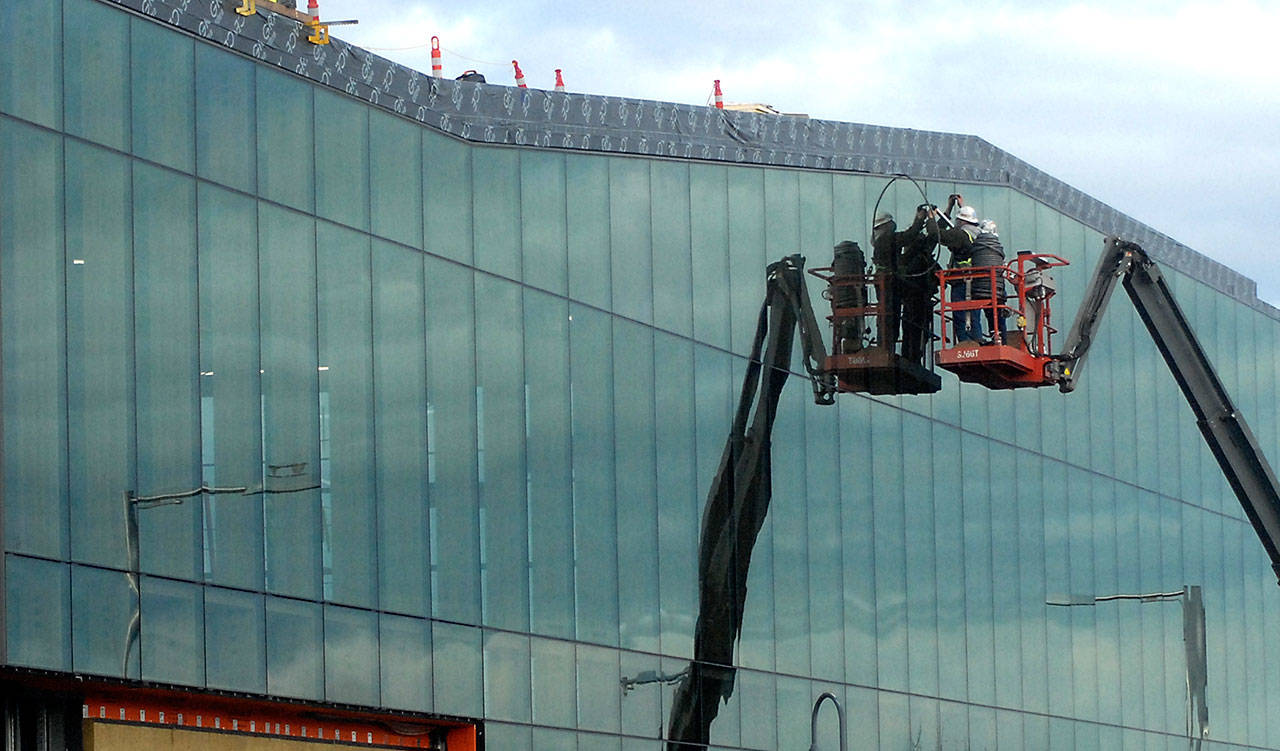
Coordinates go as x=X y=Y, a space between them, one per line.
x=967 y=323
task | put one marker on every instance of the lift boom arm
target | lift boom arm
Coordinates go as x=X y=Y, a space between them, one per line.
x=739 y=499
x=1224 y=429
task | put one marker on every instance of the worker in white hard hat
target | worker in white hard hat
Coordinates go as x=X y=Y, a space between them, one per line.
x=971 y=247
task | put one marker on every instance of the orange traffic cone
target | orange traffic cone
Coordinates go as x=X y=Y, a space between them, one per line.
x=437 y=68
x=719 y=95
x=519 y=74
x=313 y=8
x=559 y=81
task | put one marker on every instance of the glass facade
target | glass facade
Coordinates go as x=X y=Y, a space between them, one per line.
x=454 y=411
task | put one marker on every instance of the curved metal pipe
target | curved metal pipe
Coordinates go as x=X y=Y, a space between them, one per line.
x=813 y=722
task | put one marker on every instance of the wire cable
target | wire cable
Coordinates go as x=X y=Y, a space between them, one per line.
x=937 y=232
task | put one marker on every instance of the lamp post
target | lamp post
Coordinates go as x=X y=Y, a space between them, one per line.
x=1193 y=640
x=813 y=722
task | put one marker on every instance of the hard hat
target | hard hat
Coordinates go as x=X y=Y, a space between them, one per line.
x=988 y=225
x=967 y=214
x=881 y=219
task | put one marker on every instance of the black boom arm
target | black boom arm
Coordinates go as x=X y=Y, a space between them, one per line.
x=1224 y=429
x=739 y=499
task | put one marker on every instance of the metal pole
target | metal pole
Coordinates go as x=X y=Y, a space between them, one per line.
x=813 y=722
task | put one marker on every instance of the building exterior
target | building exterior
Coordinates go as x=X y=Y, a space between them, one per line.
x=328 y=383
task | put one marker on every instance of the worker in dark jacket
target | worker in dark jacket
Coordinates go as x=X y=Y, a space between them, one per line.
x=918 y=269
x=972 y=248
x=887 y=244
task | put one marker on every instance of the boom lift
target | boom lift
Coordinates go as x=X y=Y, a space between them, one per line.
x=740 y=494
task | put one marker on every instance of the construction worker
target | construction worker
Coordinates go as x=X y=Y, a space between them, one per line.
x=848 y=265
x=972 y=248
x=918 y=269
x=887 y=245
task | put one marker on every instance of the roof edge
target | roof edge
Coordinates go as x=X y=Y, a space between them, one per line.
x=506 y=115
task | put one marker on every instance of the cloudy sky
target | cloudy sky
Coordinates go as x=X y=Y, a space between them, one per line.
x=1169 y=111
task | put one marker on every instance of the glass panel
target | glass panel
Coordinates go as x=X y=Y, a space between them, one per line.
x=858 y=552
x=342 y=171
x=459 y=686
x=678 y=504
x=789 y=577
x=446 y=177
x=794 y=709
x=163 y=95
x=350 y=656
x=629 y=239
x=895 y=721
x=296 y=649
x=642 y=706
x=172 y=632
x=514 y=737
x=452 y=417
x=395 y=178
x=978 y=581
x=634 y=480
x=594 y=503
x=100 y=383
x=503 y=504
x=887 y=470
x=1005 y=598
x=758 y=695
x=926 y=725
x=599 y=706
x=1151 y=579
x=37 y=613
x=286 y=152
x=404 y=648
x=31 y=62
x=234 y=632
x=1057 y=529
x=496 y=181
x=1084 y=630
x=167 y=356
x=401 y=450
x=543 y=220
x=230 y=399
x=546 y=369
x=346 y=417
x=1032 y=595
x=554 y=682
x=104 y=636
x=553 y=740
x=747 y=259
x=225 y=121
x=587 y=220
x=921 y=561
x=594 y=742
x=32 y=294
x=96 y=96
x=1232 y=635
x=290 y=402
x=709 y=243
x=1119 y=624
x=506 y=676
